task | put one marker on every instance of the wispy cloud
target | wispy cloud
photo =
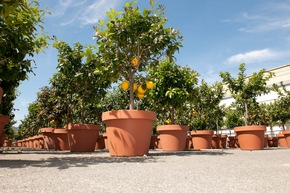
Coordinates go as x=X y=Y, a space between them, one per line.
x=83 y=12
x=266 y=17
x=254 y=56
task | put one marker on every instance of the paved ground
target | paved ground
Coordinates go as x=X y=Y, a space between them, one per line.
x=229 y=170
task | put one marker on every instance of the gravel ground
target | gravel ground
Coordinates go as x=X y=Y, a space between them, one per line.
x=230 y=170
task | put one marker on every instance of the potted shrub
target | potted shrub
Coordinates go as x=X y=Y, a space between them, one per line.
x=280 y=113
x=245 y=91
x=173 y=87
x=205 y=114
x=79 y=83
x=130 y=43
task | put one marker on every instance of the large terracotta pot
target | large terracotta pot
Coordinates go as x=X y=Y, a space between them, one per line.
x=48 y=138
x=281 y=140
x=153 y=142
x=272 y=142
x=201 y=139
x=173 y=137
x=223 y=141
x=251 y=137
x=106 y=141
x=215 y=141
x=83 y=137
x=61 y=139
x=129 y=131
x=100 y=144
x=7 y=143
x=286 y=134
x=265 y=141
x=4 y=120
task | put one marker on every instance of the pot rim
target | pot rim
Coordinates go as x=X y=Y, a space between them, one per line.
x=172 y=128
x=128 y=114
x=201 y=132
x=250 y=128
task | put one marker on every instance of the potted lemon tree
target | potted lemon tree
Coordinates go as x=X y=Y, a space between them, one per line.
x=174 y=85
x=245 y=91
x=131 y=42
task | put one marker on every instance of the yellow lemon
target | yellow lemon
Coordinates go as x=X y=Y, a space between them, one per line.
x=134 y=62
x=149 y=84
x=135 y=86
x=140 y=90
x=125 y=85
x=168 y=121
x=140 y=95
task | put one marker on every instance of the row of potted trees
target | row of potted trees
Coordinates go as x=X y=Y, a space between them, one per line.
x=134 y=45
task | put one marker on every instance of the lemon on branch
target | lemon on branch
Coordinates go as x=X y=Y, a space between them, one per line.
x=134 y=62
x=149 y=84
x=125 y=85
x=140 y=95
x=135 y=86
x=141 y=90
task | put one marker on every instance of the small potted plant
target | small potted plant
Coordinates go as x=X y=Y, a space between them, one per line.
x=173 y=88
x=245 y=91
x=205 y=115
x=131 y=42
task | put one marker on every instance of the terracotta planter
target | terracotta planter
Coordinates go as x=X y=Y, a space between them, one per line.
x=129 y=131
x=61 y=139
x=100 y=142
x=281 y=140
x=215 y=141
x=251 y=137
x=106 y=141
x=231 y=142
x=4 y=120
x=272 y=142
x=286 y=134
x=158 y=144
x=201 y=139
x=48 y=138
x=188 y=144
x=83 y=137
x=265 y=141
x=173 y=137
x=7 y=143
x=223 y=141
x=153 y=142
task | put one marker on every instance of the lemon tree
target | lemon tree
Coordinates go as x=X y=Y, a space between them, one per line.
x=173 y=88
x=133 y=40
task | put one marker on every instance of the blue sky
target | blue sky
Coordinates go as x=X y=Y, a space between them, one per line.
x=218 y=36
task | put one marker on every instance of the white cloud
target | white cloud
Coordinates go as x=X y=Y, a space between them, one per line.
x=254 y=56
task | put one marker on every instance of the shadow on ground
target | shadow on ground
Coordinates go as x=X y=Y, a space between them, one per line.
x=65 y=160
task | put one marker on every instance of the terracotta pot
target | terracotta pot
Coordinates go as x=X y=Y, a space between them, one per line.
x=272 y=142
x=251 y=137
x=201 y=139
x=106 y=140
x=286 y=134
x=7 y=143
x=4 y=120
x=265 y=141
x=48 y=138
x=281 y=140
x=35 y=142
x=100 y=142
x=215 y=141
x=61 y=139
x=232 y=142
x=173 y=137
x=153 y=142
x=129 y=131
x=158 y=144
x=223 y=141
x=188 y=144
x=83 y=137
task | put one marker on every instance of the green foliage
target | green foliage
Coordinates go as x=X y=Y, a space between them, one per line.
x=135 y=34
x=232 y=117
x=20 y=23
x=173 y=86
x=81 y=79
x=245 y=89
x=205 y=112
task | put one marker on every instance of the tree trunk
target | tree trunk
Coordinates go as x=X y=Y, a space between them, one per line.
x=246 y=115
x=131 y=82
